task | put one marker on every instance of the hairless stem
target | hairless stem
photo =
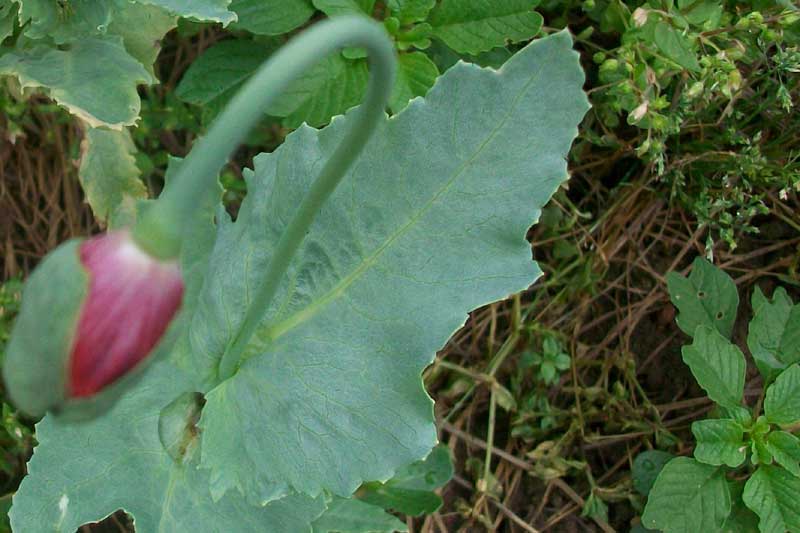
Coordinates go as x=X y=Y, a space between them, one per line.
x=161 y=228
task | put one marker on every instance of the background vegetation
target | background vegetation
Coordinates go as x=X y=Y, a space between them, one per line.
x=691 y=149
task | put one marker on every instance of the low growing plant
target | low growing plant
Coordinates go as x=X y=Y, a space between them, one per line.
x=746 y=465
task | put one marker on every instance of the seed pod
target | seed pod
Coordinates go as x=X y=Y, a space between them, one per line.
x=91 y=313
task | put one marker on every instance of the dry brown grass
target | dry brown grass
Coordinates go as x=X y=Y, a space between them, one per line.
x=41 y=203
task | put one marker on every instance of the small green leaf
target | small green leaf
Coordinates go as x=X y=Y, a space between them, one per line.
x=740 y=414
x=110 y=177
x=785 y=448
x=782 y=405
x=741 y=519
x=646 y=468
x=410 y=491
x=707 y=297
x=705 y=13
x=548 y=372
x=333 y=8
x=758 y=436
x=329 y=88
x=271 y=17
x=109 y=100
x=772 y=493
x=718 y=366
x=353 y=516
x=474 y=26
x=220 y=71
x=719 y=442
x=562 y=361
x=595 y=508
x=676 y=46
x=688 y=496
x=210 y=10
x=504 y=397
x=774 y=333
x=416 y=74
x=409 y=11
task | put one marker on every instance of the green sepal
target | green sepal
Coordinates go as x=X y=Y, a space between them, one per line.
x=37 y=357
x=35 y=367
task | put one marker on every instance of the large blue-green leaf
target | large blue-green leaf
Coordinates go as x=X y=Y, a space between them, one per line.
x=429 y=224
x=109 y=100
x=83 y=472
x=66 y=21
x=211 y=10
x=109 y=175
x=142 y=27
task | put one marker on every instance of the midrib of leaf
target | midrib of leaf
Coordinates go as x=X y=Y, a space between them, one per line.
x=167 y=499
x=277 y=330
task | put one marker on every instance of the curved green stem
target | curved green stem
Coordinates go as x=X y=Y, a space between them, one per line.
x=161 y=228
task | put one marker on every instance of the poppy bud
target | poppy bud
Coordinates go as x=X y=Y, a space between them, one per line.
x=91 y=312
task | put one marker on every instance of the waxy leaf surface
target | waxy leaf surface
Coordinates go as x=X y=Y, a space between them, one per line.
x=81 y=473
x=110 y=100
x=109 y=175
x=164 y=491
x=211 y=10
x=428 y=225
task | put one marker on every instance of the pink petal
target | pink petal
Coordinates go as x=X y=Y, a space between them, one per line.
x=131 y=301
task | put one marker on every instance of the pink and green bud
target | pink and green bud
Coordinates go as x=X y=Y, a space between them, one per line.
x=92 y=312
